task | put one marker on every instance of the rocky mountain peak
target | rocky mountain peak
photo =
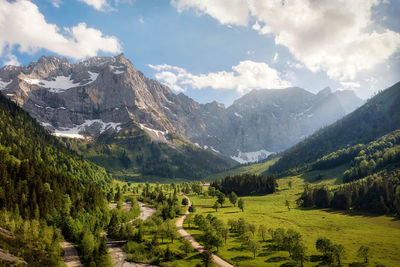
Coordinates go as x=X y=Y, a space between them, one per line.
x=107 y=94
x=324 y=92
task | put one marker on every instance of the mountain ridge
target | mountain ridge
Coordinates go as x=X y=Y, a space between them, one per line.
x=376 y=118
x=106 y=95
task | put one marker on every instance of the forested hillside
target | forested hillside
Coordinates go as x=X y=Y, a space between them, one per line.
x=131 y=155
x=44 y=186
x=379 y=116
x=372 y=180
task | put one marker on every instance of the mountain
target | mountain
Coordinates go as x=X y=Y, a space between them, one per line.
x=112 y=108
x=134 y=125
x=378 y=117
x=268 y=120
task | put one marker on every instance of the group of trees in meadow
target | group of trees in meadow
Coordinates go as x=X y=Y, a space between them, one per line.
x=378 y=193
x=246 y=184
x=153 y=241
x=291 y=241
x=221 y=198
x=215 y=231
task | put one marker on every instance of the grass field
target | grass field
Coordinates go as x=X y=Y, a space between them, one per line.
x=257 y=168
x=380 y=233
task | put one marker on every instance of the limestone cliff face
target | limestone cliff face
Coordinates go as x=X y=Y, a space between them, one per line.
x=108 y=93
x=93 y=93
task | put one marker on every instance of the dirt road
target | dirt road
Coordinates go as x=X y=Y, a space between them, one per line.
x=179 y=224
x=71 y=257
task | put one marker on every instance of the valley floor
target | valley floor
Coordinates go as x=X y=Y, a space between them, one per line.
x=380 y=233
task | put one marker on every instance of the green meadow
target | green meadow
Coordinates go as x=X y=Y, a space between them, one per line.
x=351 y=229
x=257 y=168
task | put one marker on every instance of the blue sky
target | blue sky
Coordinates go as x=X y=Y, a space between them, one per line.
x=221 y=49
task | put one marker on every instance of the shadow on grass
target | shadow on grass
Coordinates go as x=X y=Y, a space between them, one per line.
x=271 y=247
x=229 y=212
x=195 y=256
x=316 y=258
x=396 y=219
x=241 y=258
x=352 y=213
x=345 y=212
x=265 y=254
x=236 y=249
x=276 y=259
x=288 y=264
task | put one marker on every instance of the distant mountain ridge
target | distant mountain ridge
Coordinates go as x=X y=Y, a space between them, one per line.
x=271 y=120
x=376 y=118
x=107 y=95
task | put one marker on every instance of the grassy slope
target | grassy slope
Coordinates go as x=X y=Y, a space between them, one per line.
x=257 y=168
x=380 y=233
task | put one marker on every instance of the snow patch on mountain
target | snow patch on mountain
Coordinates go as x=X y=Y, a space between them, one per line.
x=4 y=84
x=46 y=125
x=75 y=132
x=118 y=69
x=158 y=133
x=60 y=84
x=238 y=115
x=248 y=157
x=213 y=149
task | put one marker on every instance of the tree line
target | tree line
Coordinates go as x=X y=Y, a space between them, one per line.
x=246 y=184
x=378 y=193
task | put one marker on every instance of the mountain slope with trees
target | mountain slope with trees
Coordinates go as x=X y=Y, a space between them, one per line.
x=131 y=155
x=379 y=116
x=45 y=186
x=371 y=182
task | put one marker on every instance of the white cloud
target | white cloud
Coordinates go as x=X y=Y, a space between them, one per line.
x=350 y=84
x=334 y=36
x=8 y=57
x=276 y=58
x=11 y=60
x=56 y=3
x=105 y=5
x=225 y=11
x=101 y=5
x=244 y=77
x=22 y=25
x=117 y=2
x=295 y=65
x=141 y=20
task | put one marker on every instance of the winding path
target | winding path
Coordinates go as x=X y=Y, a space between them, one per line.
x=117 y=254
x=196 y=245
x=71 y=257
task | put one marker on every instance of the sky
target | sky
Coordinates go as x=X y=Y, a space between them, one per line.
x=217 y=49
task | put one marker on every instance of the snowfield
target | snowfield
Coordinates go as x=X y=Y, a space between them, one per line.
x=4 y=84
x=247 y=157
x=76 y=132
x=60 y=84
